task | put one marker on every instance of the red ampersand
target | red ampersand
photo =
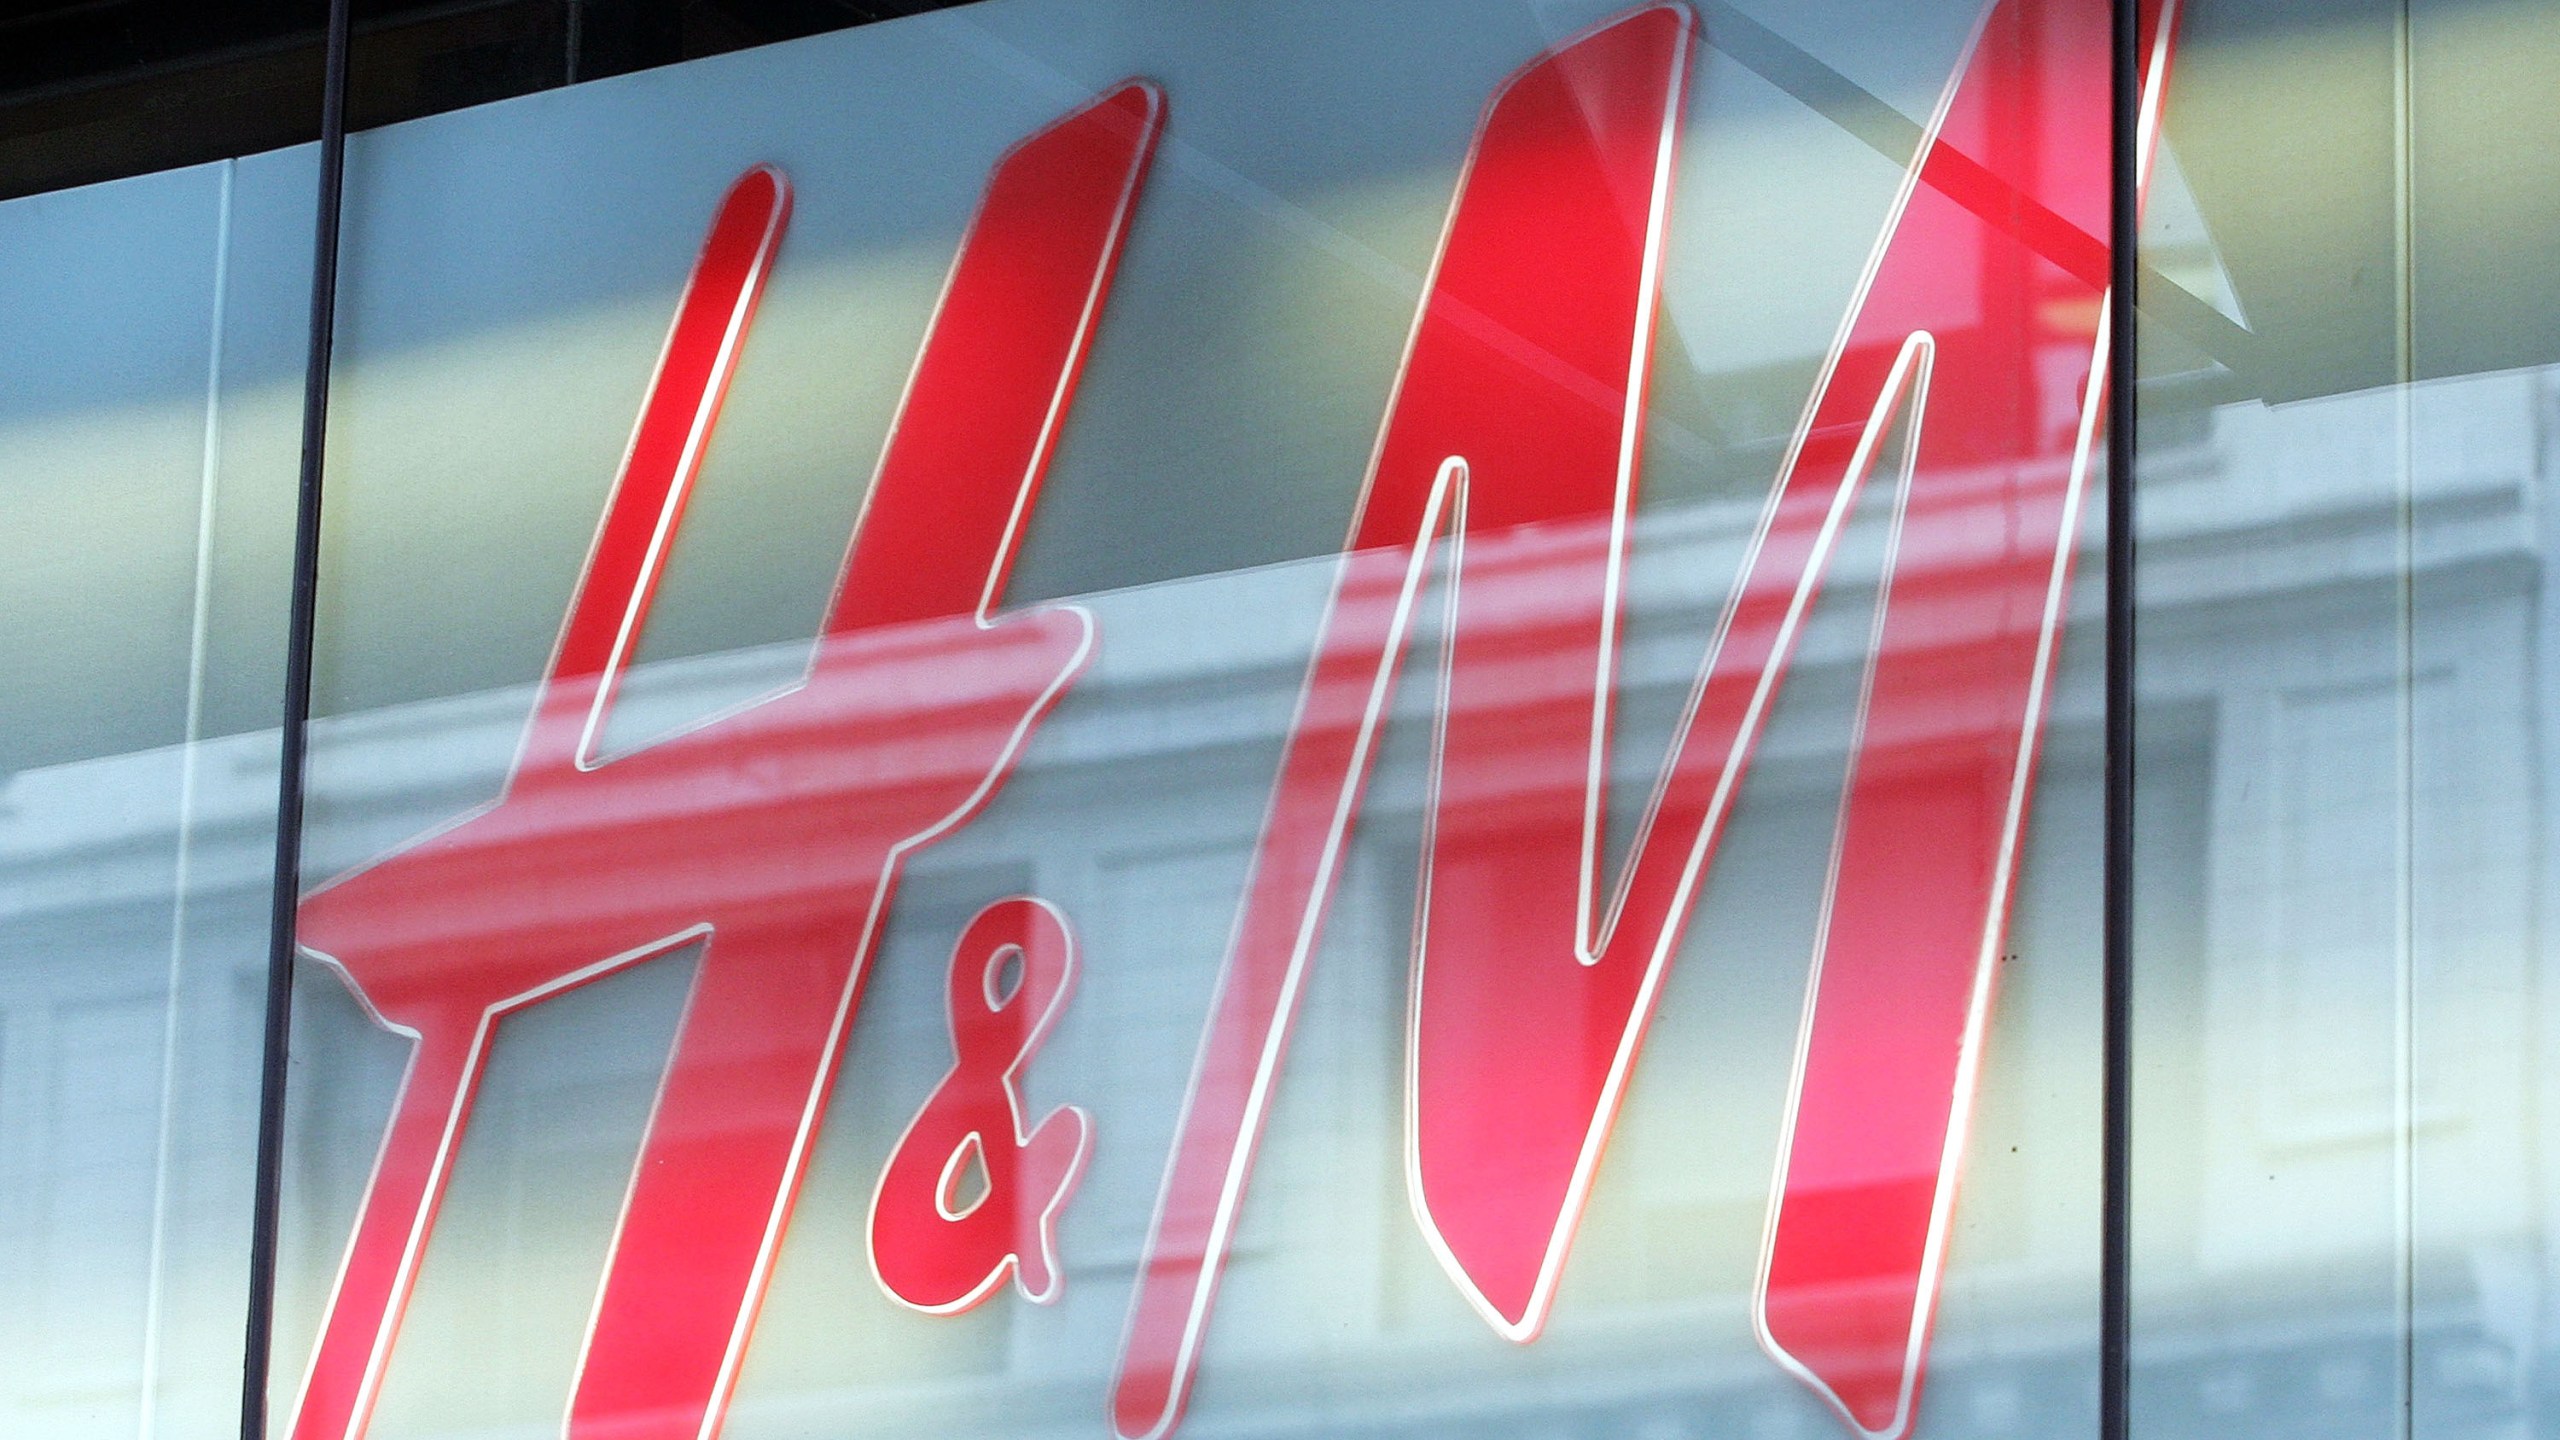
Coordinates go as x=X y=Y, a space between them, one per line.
x=970 y=1195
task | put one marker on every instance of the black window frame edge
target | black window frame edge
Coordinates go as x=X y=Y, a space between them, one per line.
x=2115 y=1200
x=295 y=741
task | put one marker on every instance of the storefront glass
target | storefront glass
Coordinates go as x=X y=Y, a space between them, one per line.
x=2342 y=1224
x=1330 y=1140
x=150 y=405
x=1087 y=717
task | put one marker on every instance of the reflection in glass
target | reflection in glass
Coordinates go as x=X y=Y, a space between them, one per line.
x=150 y=406
x=1643 y=244
x=2340 y=1223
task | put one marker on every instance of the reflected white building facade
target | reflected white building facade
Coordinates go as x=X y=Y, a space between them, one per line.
x=2341 y=1223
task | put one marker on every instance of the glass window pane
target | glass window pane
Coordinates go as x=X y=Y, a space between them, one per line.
x=150 y=420
x=2338 y=1225
x=690 y=885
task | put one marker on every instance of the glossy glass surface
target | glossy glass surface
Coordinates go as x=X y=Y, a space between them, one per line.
x=658 y=950
x=1033 y=721
x=150 y=413
x=2344 y=1219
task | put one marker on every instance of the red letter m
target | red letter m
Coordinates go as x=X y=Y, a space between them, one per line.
x=1515 y=433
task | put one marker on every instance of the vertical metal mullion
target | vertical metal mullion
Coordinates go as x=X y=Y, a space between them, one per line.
x=2115 y=1321
x=295 y=736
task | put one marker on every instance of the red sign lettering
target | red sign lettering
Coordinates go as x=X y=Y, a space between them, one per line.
x=936 y=1243
x=1515 y=433
x=772 y=838
x=1509 y=463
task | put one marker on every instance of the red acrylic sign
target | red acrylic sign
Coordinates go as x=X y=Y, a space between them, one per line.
x=970 y=1194
x=1509 y=460
x=1515 y=431
x=772 y=837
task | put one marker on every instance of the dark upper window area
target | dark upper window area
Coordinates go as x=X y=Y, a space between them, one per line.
x=94 y=89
